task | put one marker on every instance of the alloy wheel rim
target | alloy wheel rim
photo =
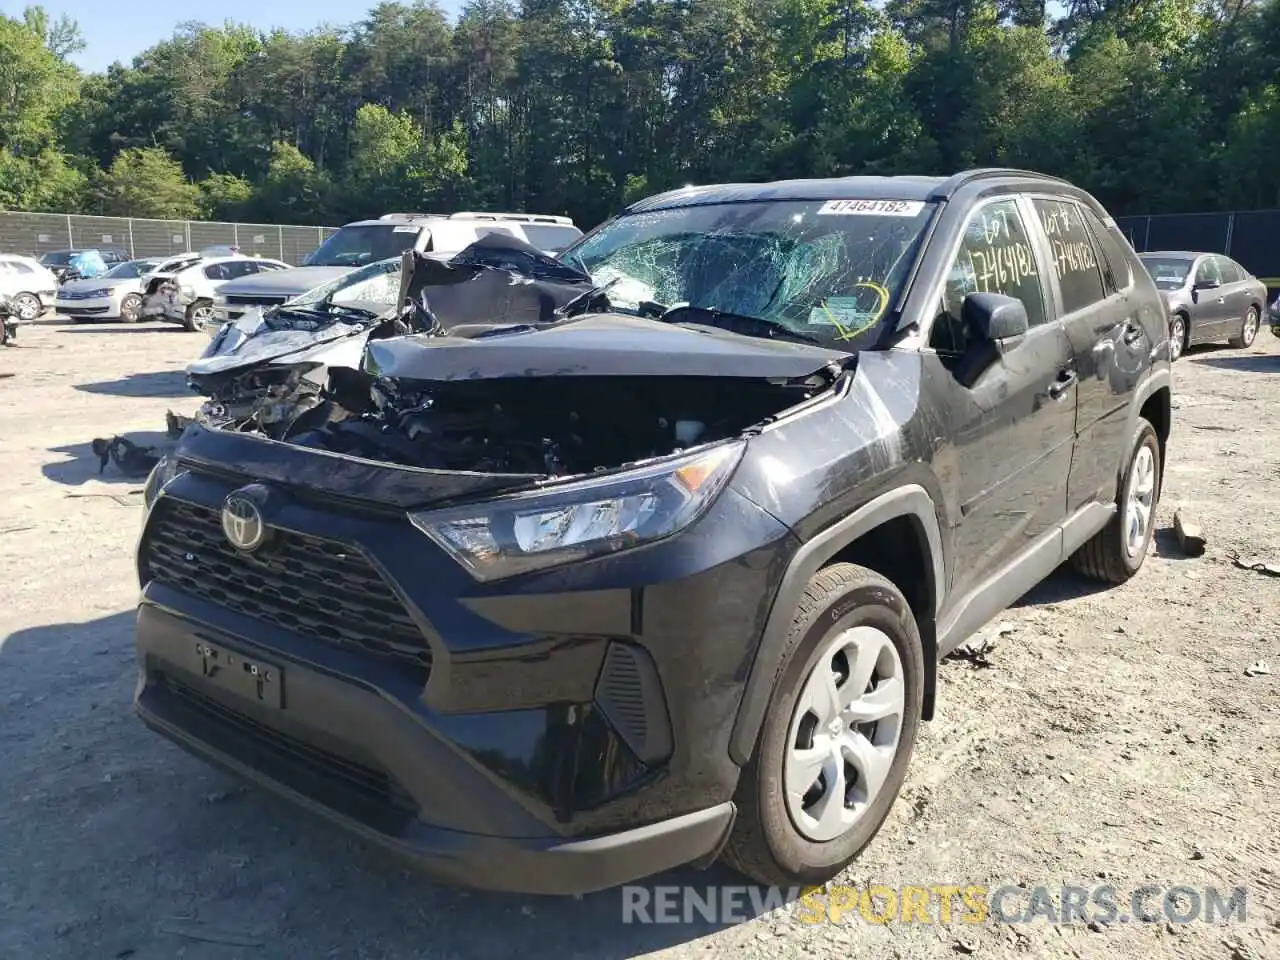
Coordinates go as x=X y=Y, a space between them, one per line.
x=1177 y=334
x=844 y=733
x=1250 y=327
x=129 y=309
x=28 y=307
x=1140 y=502
x=201 y=316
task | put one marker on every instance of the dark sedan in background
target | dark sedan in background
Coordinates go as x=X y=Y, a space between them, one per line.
x=1209 y=296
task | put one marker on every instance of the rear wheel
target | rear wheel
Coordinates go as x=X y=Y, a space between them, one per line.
x=199 y=315
x=838 y=733
x=1248 y=329
x=1117 y=551
x=1177 y=336
x=131 y=308
x=29 y=306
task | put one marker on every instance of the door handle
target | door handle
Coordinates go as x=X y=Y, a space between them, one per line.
x=1066 y=380
x=1132 y=333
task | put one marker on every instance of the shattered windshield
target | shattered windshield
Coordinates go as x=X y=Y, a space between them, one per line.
x=1169 y=273
x=371 y=289
x=824 y=270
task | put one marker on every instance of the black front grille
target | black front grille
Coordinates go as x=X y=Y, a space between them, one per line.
x=254 y=301
x=315 y=587
x=370 y=793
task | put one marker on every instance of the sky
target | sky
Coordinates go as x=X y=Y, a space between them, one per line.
x=119 y=30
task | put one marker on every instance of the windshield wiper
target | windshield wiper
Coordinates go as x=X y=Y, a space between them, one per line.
x=328 y=311
x=585 y=298
x=735 y=322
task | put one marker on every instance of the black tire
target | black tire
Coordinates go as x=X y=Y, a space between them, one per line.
x=193 y=320
x=1105 y=557
x=29 y=306
x=1179 y=335
x=1248 y=329
x=765 y=844
x=130 y=308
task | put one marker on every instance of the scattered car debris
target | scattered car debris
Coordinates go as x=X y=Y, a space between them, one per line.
x=1190 y=536
x=1269 y=569
x=130 y=458
x=1259 y=668
x=176 y=424
x=976 y=653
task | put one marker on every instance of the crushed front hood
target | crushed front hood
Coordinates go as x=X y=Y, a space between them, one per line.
x=269 y=345
x=595 y=345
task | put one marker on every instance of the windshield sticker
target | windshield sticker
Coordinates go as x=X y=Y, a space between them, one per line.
x=405 y=230
x=871 y=208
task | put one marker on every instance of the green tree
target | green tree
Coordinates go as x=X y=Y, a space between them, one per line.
x=225 y=196
x=146 y=182
x=293 y=190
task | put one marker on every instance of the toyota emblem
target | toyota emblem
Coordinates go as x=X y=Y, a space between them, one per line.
x=242 y=523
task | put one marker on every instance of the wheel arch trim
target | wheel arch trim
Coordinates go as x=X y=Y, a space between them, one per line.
x=911 y=501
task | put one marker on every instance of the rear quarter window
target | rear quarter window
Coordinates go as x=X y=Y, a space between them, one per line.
x=1112 y=257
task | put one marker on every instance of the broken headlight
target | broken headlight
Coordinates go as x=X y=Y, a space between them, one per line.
x=580 y=519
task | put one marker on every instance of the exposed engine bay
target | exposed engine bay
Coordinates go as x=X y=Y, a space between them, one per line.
x=551 y=426
x=501 y=360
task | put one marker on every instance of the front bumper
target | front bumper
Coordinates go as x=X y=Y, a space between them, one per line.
x=347 y=789
x=561 y=732
x=101 y=308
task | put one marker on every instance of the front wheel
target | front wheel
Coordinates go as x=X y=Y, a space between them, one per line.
x=131 y=308
x=28 y=306
x=837 y=735
x=199 y=315
x=1177 y=336
x=1117 y=551
x=1248 y=329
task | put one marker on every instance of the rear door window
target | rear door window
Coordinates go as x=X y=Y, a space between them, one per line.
x=1075 y=262
x=1230 y=271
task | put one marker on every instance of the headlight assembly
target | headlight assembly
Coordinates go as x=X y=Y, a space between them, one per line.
x=164 y=471
x=580 y=519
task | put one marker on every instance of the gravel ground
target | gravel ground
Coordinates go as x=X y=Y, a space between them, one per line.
x=1114 y=737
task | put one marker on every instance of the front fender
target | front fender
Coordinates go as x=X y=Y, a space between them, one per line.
x=911 y=501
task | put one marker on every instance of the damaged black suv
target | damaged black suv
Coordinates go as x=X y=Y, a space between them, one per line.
x=661 y=571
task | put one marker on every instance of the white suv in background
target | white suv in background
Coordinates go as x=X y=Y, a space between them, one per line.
x=368 y=241
x=30 y=283
x=182 y=290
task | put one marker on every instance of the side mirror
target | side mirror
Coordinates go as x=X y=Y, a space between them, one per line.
x=1208 y=284
x=993 y=317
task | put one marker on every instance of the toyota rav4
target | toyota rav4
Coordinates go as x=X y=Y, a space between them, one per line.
x=664 y=575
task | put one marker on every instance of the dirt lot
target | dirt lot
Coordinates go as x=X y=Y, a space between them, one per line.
x=1113 y=736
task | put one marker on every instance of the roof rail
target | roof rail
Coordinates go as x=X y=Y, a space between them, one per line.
x=410 y=216
x=954 y=183
x=518 y=217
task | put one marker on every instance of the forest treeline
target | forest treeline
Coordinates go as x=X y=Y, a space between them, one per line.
x=578 y=106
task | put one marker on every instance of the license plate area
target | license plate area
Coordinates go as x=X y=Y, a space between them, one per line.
x=249 y=677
